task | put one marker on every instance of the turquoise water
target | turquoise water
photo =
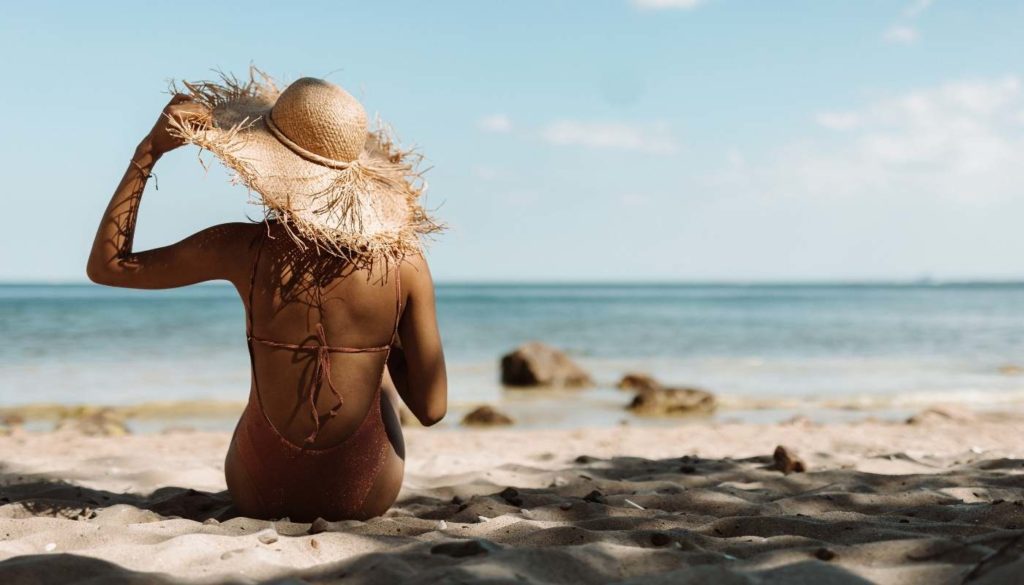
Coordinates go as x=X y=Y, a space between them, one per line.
x=774 y=345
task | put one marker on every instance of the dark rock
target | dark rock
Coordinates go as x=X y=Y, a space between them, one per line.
x=673 y=402
x=511 y=495
x=584 y=459
x=12 y=420
x=464 y=548
x=787 y=461
x=595 y=497
x=538 y=364
x=319 y=525
x=687 y=469
x=638 y=381
x=486 y=416
x=824 y=554
x=660 y=539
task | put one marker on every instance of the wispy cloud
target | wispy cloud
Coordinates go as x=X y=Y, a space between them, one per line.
x=960 y=139
x=497 y=123
x=917 y=8
x=906 y=33
x=666 y=4
x=901 y=35
x=654 y=139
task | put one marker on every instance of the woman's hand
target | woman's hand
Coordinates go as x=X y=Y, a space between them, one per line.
x=183 y=110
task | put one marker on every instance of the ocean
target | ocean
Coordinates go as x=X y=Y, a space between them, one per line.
x=768 y=351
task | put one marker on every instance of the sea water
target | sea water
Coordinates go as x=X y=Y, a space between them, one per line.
x=760 y=348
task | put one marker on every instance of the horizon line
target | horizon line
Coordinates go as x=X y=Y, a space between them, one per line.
x=921 y=281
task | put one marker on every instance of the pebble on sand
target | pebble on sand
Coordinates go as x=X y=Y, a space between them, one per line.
x=511 y=495
x=825 y=554
x=787 y=461
x=660 y=539
x=268 y=536
x=319 y=525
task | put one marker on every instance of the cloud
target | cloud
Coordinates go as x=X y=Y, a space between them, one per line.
x=959 y=139
x=496 y=123
x=665 y=4
x=906 y=33
x=656 y=139
x=917 y=8
x=901 y=35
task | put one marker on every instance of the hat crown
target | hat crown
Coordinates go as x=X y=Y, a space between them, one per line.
x=321 y=118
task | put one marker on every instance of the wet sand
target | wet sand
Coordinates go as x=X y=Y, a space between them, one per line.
x=939 y=501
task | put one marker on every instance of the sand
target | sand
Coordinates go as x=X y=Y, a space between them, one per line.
x=941 y=501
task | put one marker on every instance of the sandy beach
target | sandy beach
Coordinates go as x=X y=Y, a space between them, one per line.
x=937 y=501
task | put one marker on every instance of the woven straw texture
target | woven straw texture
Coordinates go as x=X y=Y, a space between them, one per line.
x=308 y=155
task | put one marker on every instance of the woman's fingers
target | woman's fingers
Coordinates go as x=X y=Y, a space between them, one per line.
x=190 y=111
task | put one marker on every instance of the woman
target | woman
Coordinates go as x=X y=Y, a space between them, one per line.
x=335 y=288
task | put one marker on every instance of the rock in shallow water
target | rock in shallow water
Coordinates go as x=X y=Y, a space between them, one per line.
x=673 y=402
x=486 y=416
x=93 y=422
x=538 y=364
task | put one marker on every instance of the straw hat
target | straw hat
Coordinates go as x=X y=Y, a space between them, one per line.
x=309 y=155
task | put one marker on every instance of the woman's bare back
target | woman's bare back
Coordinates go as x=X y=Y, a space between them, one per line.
x=319 y=326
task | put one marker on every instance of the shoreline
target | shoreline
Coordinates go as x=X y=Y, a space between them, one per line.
x=536 y=410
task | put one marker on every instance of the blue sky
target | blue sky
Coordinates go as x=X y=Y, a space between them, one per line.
x=670 y=140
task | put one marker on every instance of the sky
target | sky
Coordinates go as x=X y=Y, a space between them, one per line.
x=599 y=140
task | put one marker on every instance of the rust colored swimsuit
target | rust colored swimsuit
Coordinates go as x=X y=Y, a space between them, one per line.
x=298 y=481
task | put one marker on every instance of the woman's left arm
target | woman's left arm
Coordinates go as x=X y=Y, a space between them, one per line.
x=211 y=254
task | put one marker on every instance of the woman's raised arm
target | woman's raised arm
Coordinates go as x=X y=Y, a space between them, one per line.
x=211 y=254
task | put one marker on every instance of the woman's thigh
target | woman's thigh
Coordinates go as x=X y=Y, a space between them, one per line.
x=244 y=492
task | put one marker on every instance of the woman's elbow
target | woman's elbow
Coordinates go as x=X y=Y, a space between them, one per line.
x=434 y=412
x=97 y=273
x=101 y=273
x=432 y=416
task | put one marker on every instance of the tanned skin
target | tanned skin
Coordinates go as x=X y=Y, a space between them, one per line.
x=294 y=290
